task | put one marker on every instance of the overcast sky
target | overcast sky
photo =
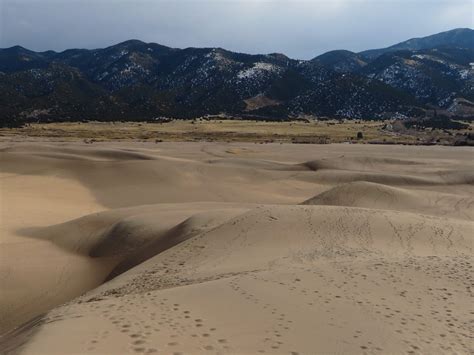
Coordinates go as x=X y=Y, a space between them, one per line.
x=298 y=28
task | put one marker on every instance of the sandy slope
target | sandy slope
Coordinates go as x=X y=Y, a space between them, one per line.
x=237 y=248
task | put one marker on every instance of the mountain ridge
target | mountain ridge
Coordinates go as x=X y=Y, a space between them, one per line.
x=458 y=37
x=135 y=80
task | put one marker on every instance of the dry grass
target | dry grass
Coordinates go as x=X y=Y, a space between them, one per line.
x=226 y=130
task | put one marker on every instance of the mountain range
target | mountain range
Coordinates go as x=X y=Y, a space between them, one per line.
x=134 y=80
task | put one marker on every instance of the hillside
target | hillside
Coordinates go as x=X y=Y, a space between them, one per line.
x=134 y=80
x=434 y=76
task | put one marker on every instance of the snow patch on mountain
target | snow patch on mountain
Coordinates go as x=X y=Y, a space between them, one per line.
x=218 y=59
x=258 y=69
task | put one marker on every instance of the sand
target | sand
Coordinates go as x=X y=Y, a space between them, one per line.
x=176 y=248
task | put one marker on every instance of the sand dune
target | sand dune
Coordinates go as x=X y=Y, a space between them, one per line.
x=235 y=248
x=377 y=196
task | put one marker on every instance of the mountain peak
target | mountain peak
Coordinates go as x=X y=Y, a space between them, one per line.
x=341 y=60
x=16 y=49
x=130 y=42
x=458 y=37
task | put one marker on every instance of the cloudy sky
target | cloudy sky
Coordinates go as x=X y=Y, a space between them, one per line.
x=298 y=28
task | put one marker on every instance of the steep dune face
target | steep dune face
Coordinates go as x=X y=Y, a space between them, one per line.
x=126 y=237
x=210 y=248
x=123 y=231
x=82 y=253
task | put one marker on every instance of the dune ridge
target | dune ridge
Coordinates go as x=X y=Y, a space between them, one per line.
x=228 y=248
x=378 y=196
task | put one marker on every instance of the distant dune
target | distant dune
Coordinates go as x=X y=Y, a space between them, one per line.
x=178 y=248
x=377 y=196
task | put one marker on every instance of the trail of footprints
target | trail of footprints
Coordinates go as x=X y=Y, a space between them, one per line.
x=273 y=338
x=314 y=298
x=412 y=320
x=160 y=319
x=416 y=309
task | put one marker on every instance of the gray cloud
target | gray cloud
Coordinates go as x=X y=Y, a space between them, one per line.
x=298 y=28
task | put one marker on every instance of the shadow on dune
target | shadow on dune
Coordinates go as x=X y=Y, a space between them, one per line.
x=12 y=341
x=358 y=163
x=132 y=235
x=386 y=171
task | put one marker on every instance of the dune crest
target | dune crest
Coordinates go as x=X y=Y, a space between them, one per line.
x=378 y=196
